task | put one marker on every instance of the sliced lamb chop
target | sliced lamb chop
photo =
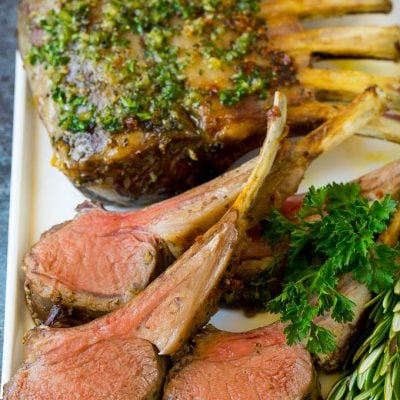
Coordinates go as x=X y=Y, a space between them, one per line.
x=252 y=365
x=101 y=259
x=72 y=363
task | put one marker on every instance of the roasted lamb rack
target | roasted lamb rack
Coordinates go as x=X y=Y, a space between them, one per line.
x=148 y=98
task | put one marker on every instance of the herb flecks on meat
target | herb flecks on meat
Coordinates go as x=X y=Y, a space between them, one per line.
x=336 y=232
x=141 y=59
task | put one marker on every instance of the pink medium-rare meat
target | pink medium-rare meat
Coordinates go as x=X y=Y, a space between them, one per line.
x=171 y=309
x=58 y=271
x=120 y=368
x=165 y=314
x=101 y=259
x=250 y=366
x=93 y=263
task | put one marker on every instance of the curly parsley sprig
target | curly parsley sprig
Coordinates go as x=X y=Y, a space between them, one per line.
x=336 y=232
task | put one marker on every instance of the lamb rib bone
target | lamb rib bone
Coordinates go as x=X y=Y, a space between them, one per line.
x=316 y=8
x=363 y=41
x=349 y=82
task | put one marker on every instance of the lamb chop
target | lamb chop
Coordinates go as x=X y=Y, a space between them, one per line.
x=100 y=260
x=251 y=365
x=113 y=357
x=146 y=98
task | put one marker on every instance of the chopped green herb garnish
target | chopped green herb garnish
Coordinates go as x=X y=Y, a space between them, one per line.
x=244 y=85
x=336 y=232
x=144 y=79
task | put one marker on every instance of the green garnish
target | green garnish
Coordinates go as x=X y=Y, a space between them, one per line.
x=244 y=85
x=336 y=233
x=146 y=90
x=376 y=363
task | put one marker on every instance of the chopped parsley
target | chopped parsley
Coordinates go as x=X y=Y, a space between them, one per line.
x=244 y=85
x=115 y=65
x=336 y=233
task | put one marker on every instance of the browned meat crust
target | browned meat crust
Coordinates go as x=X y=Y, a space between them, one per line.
x=138 y=159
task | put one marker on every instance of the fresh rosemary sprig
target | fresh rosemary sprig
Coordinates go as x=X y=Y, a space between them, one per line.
x=377 y=361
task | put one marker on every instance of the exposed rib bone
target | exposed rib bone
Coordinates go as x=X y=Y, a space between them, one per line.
x=370 y=66
x=318 y=8
x=213 y=252
x=247 y=200
x=313 y=112
x=361 y=41
x=381 y=127
x=289 y=170
x=352 y=82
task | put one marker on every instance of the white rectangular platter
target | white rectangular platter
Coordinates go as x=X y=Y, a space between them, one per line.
x=42 y=197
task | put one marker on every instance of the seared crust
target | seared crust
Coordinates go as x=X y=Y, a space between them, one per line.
x=146 y=152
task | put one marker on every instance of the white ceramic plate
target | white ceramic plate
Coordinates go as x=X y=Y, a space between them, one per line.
x=41 y=197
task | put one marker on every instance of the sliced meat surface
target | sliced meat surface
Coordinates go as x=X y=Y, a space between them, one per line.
x=123 y=368
x=91 y=265
x=166 y=314
x=250 y=366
